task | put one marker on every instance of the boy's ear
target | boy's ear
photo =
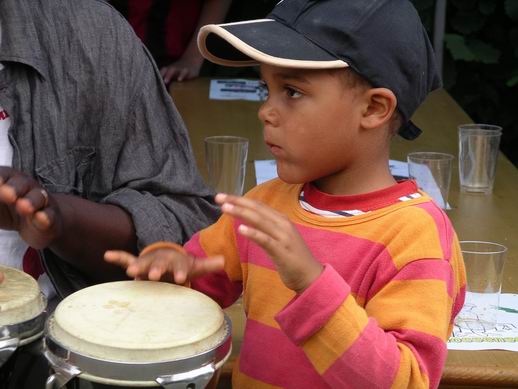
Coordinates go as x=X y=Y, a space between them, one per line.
x=380 y=104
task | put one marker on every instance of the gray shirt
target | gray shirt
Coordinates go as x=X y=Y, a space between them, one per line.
x=91 y=116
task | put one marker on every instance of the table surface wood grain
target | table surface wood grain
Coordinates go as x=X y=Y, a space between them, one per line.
x=475 y=217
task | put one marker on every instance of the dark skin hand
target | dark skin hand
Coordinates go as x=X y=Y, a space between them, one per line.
x=77 y=230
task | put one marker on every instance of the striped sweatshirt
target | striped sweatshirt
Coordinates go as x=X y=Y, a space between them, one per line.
x=378 y=316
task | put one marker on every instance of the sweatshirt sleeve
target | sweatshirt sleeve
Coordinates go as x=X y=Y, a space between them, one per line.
x=224 y=286
x=396 y=340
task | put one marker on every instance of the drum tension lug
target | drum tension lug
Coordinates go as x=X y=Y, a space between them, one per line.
x=194 y=379
x=7 y=348
x=63 y=372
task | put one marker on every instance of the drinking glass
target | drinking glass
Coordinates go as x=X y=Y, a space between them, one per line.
x=225 y=157
x=478 y=153
x=484 y=263
x=432 y=172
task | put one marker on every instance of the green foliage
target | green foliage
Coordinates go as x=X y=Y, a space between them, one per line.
x=480 y=68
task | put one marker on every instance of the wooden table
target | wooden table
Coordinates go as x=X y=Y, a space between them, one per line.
x=475 y=217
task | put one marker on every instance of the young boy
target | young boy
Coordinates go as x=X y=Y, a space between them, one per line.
x=349 y=278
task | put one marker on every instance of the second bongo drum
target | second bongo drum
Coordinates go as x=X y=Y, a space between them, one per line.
x=135 y=334
x=22 y=317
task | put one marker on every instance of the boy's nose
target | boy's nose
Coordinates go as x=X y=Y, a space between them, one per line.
x=267 y=114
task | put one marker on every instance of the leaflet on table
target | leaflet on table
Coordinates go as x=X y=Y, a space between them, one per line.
x=503 y=337
x=267 y=169
x=236 y=89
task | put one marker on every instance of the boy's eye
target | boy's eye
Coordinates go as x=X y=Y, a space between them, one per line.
x=293 y=93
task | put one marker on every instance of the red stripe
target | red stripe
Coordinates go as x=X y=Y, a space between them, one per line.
x=429 y=269
x=444 y=227
x=364 y=202
x=268 y=356
x=432 y=352
x=372 y=361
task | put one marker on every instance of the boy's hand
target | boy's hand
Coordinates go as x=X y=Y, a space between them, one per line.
x=164 y=264
x=28 y=208
x=275 y=233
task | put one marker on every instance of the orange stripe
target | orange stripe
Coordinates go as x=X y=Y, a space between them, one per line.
x=346 y=324
x=219 y=239
x=265 y=304
x=428 y=301
x=409 y=374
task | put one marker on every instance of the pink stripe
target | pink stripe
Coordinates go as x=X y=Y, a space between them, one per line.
x=269 y=356
x=339 y=250
x=315 y=305
x=372 y=361
x=432 y=352
x=215 y=285
x=444 y=227
x=458 y=303
x=429 y=269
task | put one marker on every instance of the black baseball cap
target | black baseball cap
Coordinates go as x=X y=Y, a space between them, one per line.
x=382 y=40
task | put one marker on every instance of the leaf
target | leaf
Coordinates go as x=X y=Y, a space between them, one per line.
x=511 y=9
x=487 y=7
x=483 y=52
x=512 y=82
x=458 y=48
x=468 y=22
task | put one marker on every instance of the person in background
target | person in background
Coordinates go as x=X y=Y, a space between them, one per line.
x=169 y=28
x=93 y=153
x=349 y=278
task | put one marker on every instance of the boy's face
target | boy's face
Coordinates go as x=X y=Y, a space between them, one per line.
x=311 y=123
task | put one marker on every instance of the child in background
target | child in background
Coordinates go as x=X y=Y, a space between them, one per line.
x=349 y=278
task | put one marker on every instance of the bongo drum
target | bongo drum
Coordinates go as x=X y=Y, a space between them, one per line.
x=22 y=319
x=136 y=334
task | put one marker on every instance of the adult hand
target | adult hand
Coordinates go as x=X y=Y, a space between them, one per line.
x=275 y=233
x=27 y=208
x=164 y=264
x=185 y=68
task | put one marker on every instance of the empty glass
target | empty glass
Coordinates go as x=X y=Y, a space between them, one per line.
x=225 y=157
x=484 y=263
x=478 y=153
x=432 y=172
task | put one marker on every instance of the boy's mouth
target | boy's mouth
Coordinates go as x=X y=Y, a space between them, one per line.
x=274 y=149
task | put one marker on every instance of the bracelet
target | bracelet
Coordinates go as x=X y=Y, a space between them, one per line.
x=163 y=245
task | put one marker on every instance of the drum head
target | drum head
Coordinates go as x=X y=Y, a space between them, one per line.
x=20 y=297
x=138 y=321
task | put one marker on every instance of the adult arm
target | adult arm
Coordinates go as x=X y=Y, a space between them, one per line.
x=189 y=64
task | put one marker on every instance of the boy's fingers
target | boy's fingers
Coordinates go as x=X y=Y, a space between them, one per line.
x=118 y=257
x=157 y=269
x=205 y=266
x=259 y=237
x=263 y=219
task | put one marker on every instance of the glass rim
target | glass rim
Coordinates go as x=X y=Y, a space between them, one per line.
x=503 y=249
x=420 y=155
x=223 y=139
x=489 y=129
